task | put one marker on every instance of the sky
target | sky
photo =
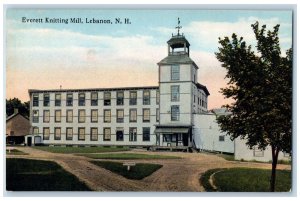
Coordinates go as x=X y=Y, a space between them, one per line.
x=89 y=55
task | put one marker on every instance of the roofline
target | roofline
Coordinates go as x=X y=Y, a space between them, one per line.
x=90 y=89
x=14 y=115
x=200 y=86
x=167 y=64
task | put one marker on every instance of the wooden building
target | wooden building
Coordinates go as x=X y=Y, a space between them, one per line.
x=17 y=127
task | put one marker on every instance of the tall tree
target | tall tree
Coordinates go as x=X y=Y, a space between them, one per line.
x=261 y=86
x=15 y=103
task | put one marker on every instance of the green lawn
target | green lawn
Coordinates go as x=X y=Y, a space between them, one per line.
x=70 y=150
x=15 y=152
x=37 y=175
x=137 y=172
x=128 y=156
x=246 y=180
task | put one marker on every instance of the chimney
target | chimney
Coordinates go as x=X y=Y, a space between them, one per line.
x=16 y=110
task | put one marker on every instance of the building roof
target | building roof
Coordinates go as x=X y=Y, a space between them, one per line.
x=14 y=115
x=200 y=86
x=177 y=59
x=178 y=41
x=90 y=89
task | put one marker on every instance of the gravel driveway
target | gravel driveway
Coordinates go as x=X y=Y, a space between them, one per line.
x=176 y=175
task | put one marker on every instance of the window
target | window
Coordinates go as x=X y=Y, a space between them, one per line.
x=157 y=114
x=46 y=133
x=120 y=134
x=175 y=75
x=35 y=130
x=57 y=133
x=94 y=99
x=175 y=93
x=120 y=98
x=69 y=116
x=175 y=113
x=35 y=116
x=81 y=133
x=146 y=97
x=94 y=134
x=132 y=134
x=146 y=134
x=120 y=116
x=57 y=99
x=146 y=115
x=69 y=99
x=257 y=152
x=81 y=99
x=132 y=115
x=35 y=102
x=107 y=134
x=132 y=98
x=57 y=115
x=221 y=138
x=157 y=97
x=107 y=116
x=46 y=100
x=94 y=116
x=81 y=116
x=69 y=133
x=46 y=116
x=107 y=97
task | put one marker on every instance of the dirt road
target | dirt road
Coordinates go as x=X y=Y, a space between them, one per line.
x=176 y=175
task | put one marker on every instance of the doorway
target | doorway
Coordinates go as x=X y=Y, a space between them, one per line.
x=29 y=141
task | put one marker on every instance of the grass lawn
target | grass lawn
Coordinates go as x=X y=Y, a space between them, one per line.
x=228 y=157
x=128 y=156
x=15 y=152
x=70 y=150
x=139 y=171
x=37 y=175
x=246 y=180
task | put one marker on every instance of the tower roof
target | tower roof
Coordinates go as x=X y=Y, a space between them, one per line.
x=178 y=41
x=177 y=59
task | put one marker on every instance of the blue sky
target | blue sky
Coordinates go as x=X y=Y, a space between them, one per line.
x=90 y=55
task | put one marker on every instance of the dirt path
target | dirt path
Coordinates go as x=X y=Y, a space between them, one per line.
x=176 y=174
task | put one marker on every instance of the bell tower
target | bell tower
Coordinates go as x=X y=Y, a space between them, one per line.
x=178 y=44
x=177 y=81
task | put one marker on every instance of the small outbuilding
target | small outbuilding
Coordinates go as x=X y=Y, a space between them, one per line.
x=17 y=127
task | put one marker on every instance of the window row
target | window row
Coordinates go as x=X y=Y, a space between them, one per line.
x=94 y=98
x=94 y=116
x=94 y=134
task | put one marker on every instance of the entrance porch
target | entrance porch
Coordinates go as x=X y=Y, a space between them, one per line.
x=173 y=136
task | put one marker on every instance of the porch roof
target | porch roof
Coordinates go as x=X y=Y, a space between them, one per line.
x=172 y=130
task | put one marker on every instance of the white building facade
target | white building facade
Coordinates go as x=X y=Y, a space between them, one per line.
x=119 y=116
x=134 y=116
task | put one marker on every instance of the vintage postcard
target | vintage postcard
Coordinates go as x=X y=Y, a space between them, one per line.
x=146 y=100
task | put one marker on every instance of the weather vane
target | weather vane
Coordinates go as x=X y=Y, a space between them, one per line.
x=178 y=27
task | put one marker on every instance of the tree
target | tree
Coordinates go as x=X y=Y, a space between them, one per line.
x=15 y=103
x=261 y=86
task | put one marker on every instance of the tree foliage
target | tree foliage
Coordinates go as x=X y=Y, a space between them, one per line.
x=261 y=85
x=15 y=103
